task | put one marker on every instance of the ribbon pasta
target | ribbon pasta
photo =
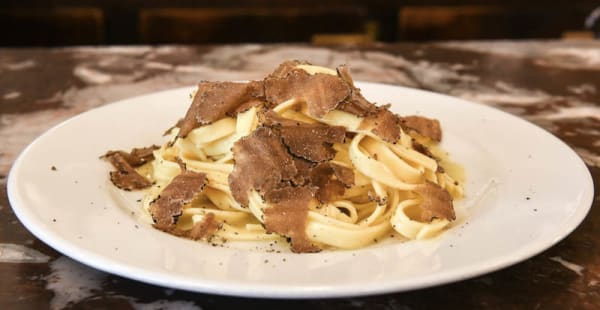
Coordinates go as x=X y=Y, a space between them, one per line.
x=381 y=201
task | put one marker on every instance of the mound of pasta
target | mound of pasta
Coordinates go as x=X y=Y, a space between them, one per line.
x=299 y=156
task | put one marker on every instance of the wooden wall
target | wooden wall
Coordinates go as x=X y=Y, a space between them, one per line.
x=75 y=22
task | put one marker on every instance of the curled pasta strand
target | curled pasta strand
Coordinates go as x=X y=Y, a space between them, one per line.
x=349 y=207
x=231 y=217
x=412 y=229
x=213 y=132
x=285 y=105
x=401 y=169
x=223 y=200
x=373 y=168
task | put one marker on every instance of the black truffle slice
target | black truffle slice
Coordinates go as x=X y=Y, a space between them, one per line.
x=137 y=156
x=125 y=177
x=168 y=206
x=215 y=100
x=287 y=215
x=384 y=124
x=424 y=126
x=331 y=181
x=355 y=103
x=312 y=142
x=262 y=163
x=437 y=203
x=321 y=92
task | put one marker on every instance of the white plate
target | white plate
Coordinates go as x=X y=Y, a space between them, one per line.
x=77 y=211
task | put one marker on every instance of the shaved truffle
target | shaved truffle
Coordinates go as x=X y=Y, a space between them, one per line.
x=321 y=92
x=287 y=183
x=331 y=181
x=424 y=126
x=262 y=163
x=125 y=177
x=247 y=105
x=205 y=228
x=343 y=174
x=168 y=207
x=422 y=149
x=137 y=156
x=355 y=103
x=344 y=73
x=384 y=124
x=425 y=151
x=309 y=141
x=286 y=67
x=312 y=142
x=287 y=215
x=215 y=100
x=380 y=120
x=304 y=167
x=437 y=202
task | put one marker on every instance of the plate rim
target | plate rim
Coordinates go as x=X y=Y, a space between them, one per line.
x=259 y=290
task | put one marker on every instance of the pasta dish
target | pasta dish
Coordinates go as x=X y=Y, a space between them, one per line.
x=300 y=156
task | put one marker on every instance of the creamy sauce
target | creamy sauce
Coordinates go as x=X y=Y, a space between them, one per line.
x=453 y=169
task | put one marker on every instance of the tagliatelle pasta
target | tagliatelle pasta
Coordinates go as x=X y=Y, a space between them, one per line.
x=302 y=156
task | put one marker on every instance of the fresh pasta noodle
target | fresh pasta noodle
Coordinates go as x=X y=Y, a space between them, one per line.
x=300 y=156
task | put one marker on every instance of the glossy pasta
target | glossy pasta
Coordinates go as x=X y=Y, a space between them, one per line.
x=383 y=199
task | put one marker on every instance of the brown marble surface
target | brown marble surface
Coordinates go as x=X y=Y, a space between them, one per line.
x=551 y=83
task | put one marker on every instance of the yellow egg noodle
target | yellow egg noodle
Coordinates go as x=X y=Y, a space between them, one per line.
x=381 y=201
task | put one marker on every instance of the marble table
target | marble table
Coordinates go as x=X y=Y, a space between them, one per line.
x=553 y=84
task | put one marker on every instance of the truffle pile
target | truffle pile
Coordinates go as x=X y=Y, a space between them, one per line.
x=290 y=163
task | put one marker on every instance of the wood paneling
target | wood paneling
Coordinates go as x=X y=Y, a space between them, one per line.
x=247 y=25
x=57 y=26
x=77 y=22
x=488 y=22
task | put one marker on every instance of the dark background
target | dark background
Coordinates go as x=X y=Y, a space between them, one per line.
x=105 y=22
